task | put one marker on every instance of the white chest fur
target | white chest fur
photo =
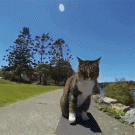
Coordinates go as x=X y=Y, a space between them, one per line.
x=86 y=87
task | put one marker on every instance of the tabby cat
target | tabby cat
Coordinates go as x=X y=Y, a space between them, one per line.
x=76 y=96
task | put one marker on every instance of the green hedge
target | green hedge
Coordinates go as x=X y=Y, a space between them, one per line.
x=121 y=92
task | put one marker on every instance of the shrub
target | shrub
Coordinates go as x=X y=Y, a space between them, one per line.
x=6 y=75
x=121 y=92
x=112 y=112
x=1 y=73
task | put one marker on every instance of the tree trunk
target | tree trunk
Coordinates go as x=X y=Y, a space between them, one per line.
x=20 y=78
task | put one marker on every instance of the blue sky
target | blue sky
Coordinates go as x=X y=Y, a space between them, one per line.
x=91 y=28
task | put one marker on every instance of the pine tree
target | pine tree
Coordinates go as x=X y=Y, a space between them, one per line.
x=21 y=55
x=60 y=60
x=59 y=51
x=41 y=45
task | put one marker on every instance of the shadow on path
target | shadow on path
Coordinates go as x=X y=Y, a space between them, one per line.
x=91 y=124
x=80 y=127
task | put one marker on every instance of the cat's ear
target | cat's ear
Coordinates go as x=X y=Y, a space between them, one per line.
x=98 y=60
x=79 y=59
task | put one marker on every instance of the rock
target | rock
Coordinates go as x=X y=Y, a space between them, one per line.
x=96 y=97
x=109 y=100
x=130 y=113
x=121 y=107
x=130 y=120
x=106 y=100
x=100 y=100
x=129 y=116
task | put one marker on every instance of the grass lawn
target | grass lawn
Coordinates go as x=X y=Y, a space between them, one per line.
x=11 y=92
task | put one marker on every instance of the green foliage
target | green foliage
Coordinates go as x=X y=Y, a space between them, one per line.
x=21 y=53
x=61 y=71
x=41 y=44
x=22 y=65
x=30 y=74
x=6 y=74
x=64 y=69
x=112 y=112
x=59 y=50
x=121 y=121
x=1 y=73
x=20 y=56
x=105 y=109
x=103 y=85
x=19 y=70
x=121 y=92
x=45 y=72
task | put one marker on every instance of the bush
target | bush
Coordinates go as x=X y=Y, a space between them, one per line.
x=6 y=75
x=1 y=73
x=112 y=112
x=121 y=92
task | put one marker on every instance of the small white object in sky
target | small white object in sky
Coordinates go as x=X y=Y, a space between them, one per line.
x=61 y=7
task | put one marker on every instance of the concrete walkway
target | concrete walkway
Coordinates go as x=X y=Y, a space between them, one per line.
x=37 y=116
x=40 y=115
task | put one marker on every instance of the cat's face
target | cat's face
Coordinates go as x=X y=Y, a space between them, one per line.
x=88 y=69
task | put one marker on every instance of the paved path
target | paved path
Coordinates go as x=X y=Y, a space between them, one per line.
x=37 y=116
x=40 y=115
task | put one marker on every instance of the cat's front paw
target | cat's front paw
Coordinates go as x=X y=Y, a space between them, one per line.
x=84 y=116
x=72 y=117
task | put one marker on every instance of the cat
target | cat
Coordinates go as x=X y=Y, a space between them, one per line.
x=78 y=89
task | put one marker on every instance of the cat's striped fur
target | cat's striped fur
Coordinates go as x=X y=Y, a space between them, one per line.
x=76 y=97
